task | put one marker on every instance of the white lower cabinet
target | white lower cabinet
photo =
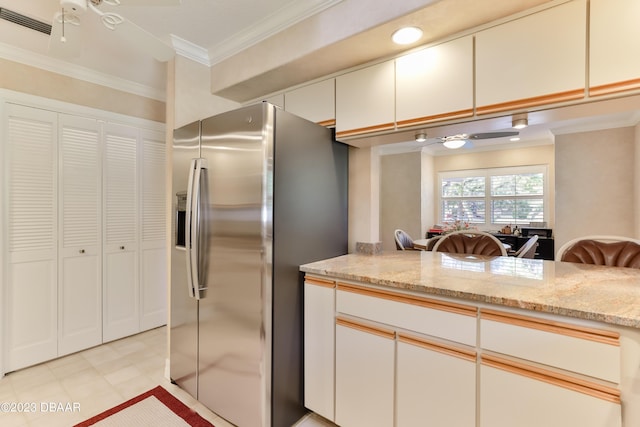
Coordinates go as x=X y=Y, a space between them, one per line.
x=319 y=346
x=364 y=375
x=404 y=360
x=436 y=384
x=515 y=396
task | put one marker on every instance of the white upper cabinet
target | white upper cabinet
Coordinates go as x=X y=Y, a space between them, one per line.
x=435 y=83
x=80 y=260
x=365 y=100
x=315 y=102
x=614 y=52
x=535 y=60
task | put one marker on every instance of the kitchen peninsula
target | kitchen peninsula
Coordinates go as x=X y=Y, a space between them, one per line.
x=417 y=338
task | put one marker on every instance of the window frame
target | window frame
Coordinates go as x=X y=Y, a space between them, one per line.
x=488 y=198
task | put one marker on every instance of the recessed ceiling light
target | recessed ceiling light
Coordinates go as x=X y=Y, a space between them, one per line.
x=407 y=35
x=514 y=139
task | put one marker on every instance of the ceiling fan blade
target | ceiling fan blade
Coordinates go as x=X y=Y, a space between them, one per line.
x=71 y=45
x=490 y=135
x=144 y=41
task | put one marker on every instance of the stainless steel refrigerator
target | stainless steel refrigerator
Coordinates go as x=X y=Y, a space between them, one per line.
x=256 y=192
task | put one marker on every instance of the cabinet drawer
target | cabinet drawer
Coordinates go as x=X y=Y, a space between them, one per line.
x=515 y=394
x=450 y=321
x=579 y=349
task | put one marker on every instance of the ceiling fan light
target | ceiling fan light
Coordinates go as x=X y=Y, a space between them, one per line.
x=406 y=35
x=519 y=123
x=454 y=143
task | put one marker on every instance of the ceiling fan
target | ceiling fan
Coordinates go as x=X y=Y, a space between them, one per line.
x=66 y=29
x=463 y=140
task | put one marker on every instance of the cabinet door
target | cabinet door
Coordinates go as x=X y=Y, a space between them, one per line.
x=80 y=272
x=436 y=384
x=535 y=60
x=120 y=267
x=614 y=57
x=319 y=339
x=365 y=100
x=153 y=250
x=31 y=232
x=364 y=375
x=516 y=396
x=315 y=102
x=435 y=83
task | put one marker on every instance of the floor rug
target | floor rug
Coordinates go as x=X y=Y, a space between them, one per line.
x=155 y=408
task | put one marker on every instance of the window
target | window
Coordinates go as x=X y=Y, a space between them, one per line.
x=494 y=196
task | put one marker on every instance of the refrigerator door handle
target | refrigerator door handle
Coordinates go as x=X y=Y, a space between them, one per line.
x=192 y=228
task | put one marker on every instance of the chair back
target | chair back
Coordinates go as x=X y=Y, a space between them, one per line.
x=403 y=240
x=612 y=251
x=470 y=242
x=528 y=250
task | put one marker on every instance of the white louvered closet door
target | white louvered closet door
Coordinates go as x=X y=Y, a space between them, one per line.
x=30 y=249
x=153 y=255
x=120 y=212
x=79 y=268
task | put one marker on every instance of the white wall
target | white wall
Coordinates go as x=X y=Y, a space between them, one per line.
x=595 y=191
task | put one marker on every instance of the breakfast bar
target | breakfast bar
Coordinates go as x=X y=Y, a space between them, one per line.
x=424 y=338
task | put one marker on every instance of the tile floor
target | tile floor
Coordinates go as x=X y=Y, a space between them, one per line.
x=98 y=379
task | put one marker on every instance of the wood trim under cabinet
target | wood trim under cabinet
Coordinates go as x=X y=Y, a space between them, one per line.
x=327 y=123
x=569 y=95
x=576 y=384
x=435 y=118
x=312 y=280
x=610 y=88
x=410 y=299
x=365 y=130
x=575 y=331
x=375 y=330
x=458 y=352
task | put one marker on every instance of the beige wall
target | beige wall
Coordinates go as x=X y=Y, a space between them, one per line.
x=192 y=99
x=400 y=196
x=595 y=191
x=35 y=81
x=364 y=196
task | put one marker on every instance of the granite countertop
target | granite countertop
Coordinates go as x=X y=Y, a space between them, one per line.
x=604 y=294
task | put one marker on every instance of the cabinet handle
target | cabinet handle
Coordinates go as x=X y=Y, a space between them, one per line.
x=81 y=251
x=122 y=248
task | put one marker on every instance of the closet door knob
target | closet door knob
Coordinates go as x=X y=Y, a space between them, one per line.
x=81 y=251
x=122 y=248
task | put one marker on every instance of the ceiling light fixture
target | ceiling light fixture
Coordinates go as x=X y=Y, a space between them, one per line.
x=406 y=35
x=454 y=143
x=421 y=137
x=520 y=122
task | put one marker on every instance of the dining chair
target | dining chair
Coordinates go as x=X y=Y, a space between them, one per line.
x=613 y=251
x=403 y=240
x=528 y=250
x=470 y=242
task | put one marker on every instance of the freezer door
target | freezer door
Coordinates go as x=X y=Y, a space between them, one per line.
x=184 y=309
x=234 y=370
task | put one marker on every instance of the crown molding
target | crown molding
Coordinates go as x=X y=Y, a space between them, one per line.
x=190 y=50
x=293 y=13
x=58 y=66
